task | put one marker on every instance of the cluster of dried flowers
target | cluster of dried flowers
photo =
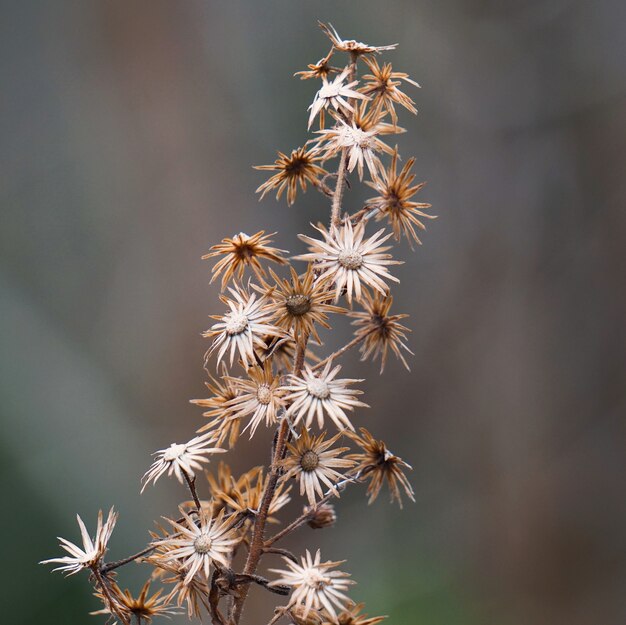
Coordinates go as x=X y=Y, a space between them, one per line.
x=264 y=336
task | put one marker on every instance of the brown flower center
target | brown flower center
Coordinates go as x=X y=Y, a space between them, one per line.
x=202 y=544
x=264 y=394
x=236 y=324
x=298 y=305
x=350 y=260
x=309 y=460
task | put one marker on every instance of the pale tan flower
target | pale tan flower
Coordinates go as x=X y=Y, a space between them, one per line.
x=335 y=94
x=347 y=258
x=247 y=492
x=243 y=328
x=316 y=395
x=314 y=584
x=313 y=462
x=220 y=413
x=199 y=544
x=243 y=251
x=321 y=69
x=180 y=458
x=260 y=397
x=194 y=594
x=297 y=168
x=300 y=304
x=362 y=146
x=378 y=464
x=393 y=201
x=352 y=616
x=379 y=330
x=92 y=552
x=350 y=45
x=143 y=607
x=382 y=86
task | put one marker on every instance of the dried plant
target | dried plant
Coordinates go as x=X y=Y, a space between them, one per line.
x=271 y=384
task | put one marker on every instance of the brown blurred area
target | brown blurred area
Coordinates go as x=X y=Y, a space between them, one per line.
x=128 y=134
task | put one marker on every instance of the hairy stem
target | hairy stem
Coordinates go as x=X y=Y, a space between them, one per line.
x=191 y=484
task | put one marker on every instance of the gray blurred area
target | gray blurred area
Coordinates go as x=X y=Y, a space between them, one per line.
x=129 y=129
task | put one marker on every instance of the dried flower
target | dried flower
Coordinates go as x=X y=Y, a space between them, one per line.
x=379 y=330
x=260 y=396
x=194 y=594
x=351 y=616
x=312 y=461
x=243 y=251
x=314 y=395
x=382 y=86
x=181 y=458
x=348 y=259
x=142 y=607
x=350 y=45
x=394 y=200
x=321 y=69
x=246 y=494
x=92 y=552
x=220 y=411
x=314 y=584
x=243 y=328
x=301 y=303
x=335 y=94
x=199 y=545
x=379 y=464
x=297 y=168
x=362 y=146
x=323 y=516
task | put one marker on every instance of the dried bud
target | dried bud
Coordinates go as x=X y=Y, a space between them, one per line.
x=301 y=616
x=324 y=516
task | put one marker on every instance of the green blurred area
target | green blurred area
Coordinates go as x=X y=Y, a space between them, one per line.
x=128 y=134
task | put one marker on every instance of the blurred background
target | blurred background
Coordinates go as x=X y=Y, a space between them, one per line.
x=128 y=134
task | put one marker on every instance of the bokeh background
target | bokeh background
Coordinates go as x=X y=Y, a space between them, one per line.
x=128 y=134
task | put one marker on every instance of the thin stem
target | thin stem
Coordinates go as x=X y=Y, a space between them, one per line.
x=115 y=565
x=311 y=512
x=355 y=341
x=191 y=483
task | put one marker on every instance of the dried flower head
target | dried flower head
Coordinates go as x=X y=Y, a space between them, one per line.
x=315 y=395
x=322 y=516
x=92 y=552
x=260 y=397
x=247 y=492
x=220 y=411
x=393 y=201
x=194 y=594
x=181 y=458
x=143 y=608
x=243 y=251
x=378 y=464
x=314 y=584
x=321 y=69
x=336 y=95
x=362 y=146
x=380 y=331
x=299 y=168
x=312 y=461
x=199 y=544
x=350 y=260
x=301 y=303
x=352 y=616
x=350 y=45
x=382 y=86
x=242 y=328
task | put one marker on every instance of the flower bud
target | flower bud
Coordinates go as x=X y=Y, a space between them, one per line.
x=324 y=516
